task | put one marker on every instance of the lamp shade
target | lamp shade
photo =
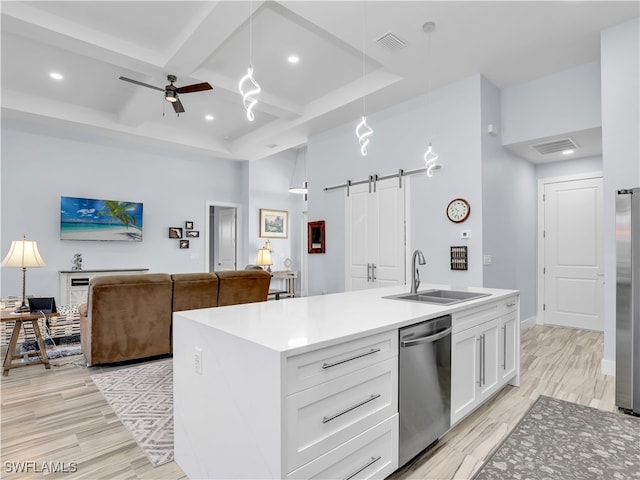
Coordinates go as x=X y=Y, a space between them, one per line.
x=23 y=253
x=264 y=257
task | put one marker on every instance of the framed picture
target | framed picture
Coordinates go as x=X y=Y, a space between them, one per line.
x=184 y=243
x=188 y=225
x=274 y=223
x=315 y=237
x=193 y=233
x=175 y=232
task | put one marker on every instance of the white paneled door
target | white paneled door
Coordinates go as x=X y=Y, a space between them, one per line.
x=375 y=235
x=573 y=259
x=226 y=238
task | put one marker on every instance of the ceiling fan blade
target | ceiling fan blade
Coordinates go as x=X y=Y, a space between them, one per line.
x=141 y=83
x=177 y=106
x=196 y=87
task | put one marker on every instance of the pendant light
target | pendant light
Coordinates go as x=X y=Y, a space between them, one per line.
x=295 y=188
x=248 y=81
x=430 y=157
x=363 y=130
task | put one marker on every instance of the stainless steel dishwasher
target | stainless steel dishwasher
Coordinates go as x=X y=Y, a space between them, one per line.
x=424 y=385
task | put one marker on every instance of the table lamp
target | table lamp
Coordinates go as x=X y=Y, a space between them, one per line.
x=264 y=258
x=23 y=254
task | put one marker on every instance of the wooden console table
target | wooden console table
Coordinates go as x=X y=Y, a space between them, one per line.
x=11 y=355
x=290 y=277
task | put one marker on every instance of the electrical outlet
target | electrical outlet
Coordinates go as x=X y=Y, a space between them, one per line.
x=197 y=360
x=487 y=259
x=465 y=234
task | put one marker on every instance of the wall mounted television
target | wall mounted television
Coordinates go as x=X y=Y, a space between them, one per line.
x=92 y=219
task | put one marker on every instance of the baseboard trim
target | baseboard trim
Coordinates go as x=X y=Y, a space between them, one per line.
x=608 y=367
x=527 y=323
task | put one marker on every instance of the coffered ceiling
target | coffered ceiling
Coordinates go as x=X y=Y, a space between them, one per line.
x=93 y=43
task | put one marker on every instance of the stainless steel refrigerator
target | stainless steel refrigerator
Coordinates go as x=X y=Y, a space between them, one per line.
x=628 y=300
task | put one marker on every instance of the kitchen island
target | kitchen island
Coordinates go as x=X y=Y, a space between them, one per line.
x=309 y=386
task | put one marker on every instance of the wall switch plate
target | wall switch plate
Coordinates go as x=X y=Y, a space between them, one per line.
x=465 y=233
x=486 y=259
x=197 y=360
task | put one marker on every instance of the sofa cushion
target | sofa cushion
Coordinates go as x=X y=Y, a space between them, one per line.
x=194 y=290
x=242 y=286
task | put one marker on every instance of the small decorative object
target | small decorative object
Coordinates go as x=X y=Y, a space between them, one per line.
x=458 y=210
x=287 y=263
x=273 y=223
x=188 y=225
x=193 y=233
x=77 y=262
x=175 y=232
x=184 y=243
x=459 y=258
x=315 y=237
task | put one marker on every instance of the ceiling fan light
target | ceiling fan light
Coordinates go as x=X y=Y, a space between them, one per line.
x=170 y=96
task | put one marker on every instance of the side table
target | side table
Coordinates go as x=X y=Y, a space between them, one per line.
x=11 y=355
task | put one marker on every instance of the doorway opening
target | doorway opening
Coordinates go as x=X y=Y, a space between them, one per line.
x=221 y=231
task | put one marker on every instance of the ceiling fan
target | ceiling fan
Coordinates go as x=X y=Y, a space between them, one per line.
x=171 y=91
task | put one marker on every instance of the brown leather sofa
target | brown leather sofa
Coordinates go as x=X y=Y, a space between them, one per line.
x=129 y=317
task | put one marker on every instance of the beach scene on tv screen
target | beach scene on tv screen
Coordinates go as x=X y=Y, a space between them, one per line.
x=92 y=219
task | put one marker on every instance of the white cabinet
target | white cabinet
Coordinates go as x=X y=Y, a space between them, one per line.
x=337 y=394
x=74 y=284
x=484 y=349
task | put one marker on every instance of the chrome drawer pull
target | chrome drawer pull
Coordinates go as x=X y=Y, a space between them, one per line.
x=347 y=410
x=329 y=365
x=369 y=463
x=512 y=304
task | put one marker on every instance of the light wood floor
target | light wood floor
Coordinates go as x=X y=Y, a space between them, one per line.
x=59 y=415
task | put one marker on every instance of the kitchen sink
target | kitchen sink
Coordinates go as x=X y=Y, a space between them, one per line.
x=439 y=297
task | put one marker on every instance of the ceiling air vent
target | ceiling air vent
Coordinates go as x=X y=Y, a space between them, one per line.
x=554 y=146
x=391 y=42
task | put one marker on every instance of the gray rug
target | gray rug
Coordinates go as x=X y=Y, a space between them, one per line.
x=142 y=397
x=563 y=440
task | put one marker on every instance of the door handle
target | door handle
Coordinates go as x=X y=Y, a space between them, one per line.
x=368 y=272
x=484 y=360
x=429 y=339
x=504 y=347
x=347 y=410
x=367 y=465
x=479 y=340
x=370 y=352
x=373 y=272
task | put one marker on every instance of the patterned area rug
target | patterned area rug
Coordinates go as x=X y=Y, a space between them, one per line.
x=142 y=397
x=563 y=440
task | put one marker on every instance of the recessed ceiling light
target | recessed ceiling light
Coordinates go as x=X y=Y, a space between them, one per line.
x=567 y=152
x=209 y=117
x=56 y=76
x=293 y=59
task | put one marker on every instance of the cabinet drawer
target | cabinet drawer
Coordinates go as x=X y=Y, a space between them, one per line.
x=508 y=305
x=323 y=417
x=372 y=454
x=471 y=317
x=319 y=366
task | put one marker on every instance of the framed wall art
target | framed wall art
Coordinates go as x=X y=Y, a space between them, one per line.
x=315 y=237
x=274 y=223
x=175 y=232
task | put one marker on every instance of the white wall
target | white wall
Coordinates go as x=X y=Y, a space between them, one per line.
x=569 y=167
x=508 y=210
x=552 y=105
x=269 y=182
x=620 y=52
x=37 y=169
x=449 y=119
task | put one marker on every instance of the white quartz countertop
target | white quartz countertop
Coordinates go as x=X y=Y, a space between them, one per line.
x=296 y=325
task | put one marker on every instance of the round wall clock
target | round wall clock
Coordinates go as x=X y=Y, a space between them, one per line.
x=458 y=210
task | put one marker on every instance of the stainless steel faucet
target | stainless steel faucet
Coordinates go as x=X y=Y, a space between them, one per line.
x=415 y=280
